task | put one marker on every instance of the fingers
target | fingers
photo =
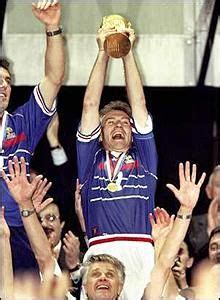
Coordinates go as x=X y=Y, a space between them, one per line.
x=45 y=203
x=181 y=173
x=201 y=180
x=151 y=219
x=36 y=181
x=23 y=167
x=77 y=185
x=188 y=177
x=185 y=175
x=16 y=167
x=4 y=176
x=172 y=218
x=44 y=186
x=17 y=170
x=193 y=176
x=187 y=171
x=172 y=188
x=54 y=2
x=71 y=243
x=11 y=169
x=157 y=215
x=44 y=4
x=161 y=217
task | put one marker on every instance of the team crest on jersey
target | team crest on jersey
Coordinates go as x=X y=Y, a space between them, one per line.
x=129 y=159
x=10 y=134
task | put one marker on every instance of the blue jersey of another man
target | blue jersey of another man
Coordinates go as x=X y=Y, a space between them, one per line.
x=21 y=131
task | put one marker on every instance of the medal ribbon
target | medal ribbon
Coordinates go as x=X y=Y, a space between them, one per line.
x=112 y=170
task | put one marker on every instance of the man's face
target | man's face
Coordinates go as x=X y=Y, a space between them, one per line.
x=214 y=249
x=216 y=185
x=116 y=131
x=5 y=90
x=50 y=221
x=102 y=282
x=213 y=190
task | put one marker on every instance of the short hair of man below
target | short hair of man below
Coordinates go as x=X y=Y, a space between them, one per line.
x=105 y=258
x=115 y=105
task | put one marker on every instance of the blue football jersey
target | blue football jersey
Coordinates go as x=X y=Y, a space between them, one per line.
x=21 y=131
x=124 y=209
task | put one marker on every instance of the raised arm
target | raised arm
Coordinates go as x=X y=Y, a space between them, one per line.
x=22 y=191
x=134 y=86
x=49 y=13
x=187 y=195
x=92 y=98
x=6 y=274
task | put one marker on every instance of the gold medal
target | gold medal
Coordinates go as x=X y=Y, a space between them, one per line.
x=112 y=187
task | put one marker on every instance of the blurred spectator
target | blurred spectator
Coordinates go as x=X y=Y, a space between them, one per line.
x=206 y=275
x=202 y=225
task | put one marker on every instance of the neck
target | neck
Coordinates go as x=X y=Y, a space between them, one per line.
x=116 y=153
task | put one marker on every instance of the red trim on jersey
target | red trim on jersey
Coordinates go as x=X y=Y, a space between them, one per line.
x=16 y=140
x=121 y=238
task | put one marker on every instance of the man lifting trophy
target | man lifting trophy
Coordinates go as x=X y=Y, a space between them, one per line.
x=117 y=45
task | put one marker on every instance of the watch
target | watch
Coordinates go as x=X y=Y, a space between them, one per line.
x=27 y=212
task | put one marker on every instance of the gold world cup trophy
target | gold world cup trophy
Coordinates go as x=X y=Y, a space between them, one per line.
x=117 y=44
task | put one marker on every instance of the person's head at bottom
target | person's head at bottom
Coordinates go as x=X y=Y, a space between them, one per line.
x=103 y=277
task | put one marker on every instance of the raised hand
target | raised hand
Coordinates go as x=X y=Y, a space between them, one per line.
x=78 y=206
x=179 y=271
x=19 y=186
x=129 y=32
x=102 y=34
x=47 y=11
x=188 y=192
x=41 y=189
x=72 y=249
x=162 y=224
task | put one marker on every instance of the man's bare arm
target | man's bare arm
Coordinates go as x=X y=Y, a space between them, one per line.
x=134 y=85
x=187 y=195
x=49 y=13
x=22 y=192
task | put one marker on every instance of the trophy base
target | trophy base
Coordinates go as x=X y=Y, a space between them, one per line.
x=117 y=45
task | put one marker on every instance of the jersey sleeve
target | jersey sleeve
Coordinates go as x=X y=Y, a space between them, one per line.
x=35 y=116
x=144 y=141
x=87 y=147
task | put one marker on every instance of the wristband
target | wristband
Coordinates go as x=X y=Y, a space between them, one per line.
x=184 y=217
x=55 y=32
